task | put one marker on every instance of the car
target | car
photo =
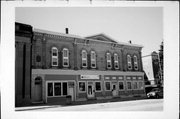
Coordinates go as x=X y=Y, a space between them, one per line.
x=155 y=93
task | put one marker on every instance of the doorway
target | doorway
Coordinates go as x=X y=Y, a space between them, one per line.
x=90 y=91
x=114 y=90
x=38 y=89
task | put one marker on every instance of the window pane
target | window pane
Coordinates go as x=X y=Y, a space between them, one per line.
x=65 y=62
x=84 y=64
x=84 y=54
x=57 y=89
x=54 y=52
x=115 y=57
x=135 y=85
x=109 y=64
x=121 y=86
x=50 y=89
x=64 y=88
x=140 y=85
x=129 y=85
x=54 y=61
x=81 y=86
x=116 y=65
x=107 y=86
x=108 y=56
x=65 y=53
x=93 y=55
x=93 y=64
x=98 y=86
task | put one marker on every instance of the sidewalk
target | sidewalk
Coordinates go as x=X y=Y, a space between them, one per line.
x=42 y=106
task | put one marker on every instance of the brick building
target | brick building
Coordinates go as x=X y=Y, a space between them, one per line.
x=93 y=67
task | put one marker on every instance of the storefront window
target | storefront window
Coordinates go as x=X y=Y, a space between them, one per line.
x=129 y=85
x=82 y=86
x=135 y=85
x=98 y=86
x=64 y=88
x=140 y=85
x=57 y=89
x=50 y=89
x=108 y=86
x=121 y=86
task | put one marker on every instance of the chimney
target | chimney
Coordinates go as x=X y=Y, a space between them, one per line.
x=67 y=31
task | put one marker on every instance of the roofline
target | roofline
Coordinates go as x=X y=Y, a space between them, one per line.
x=57 y=33
x=85 y=38
x=117 y=42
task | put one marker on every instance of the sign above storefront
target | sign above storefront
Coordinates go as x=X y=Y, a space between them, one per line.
x=89 y=76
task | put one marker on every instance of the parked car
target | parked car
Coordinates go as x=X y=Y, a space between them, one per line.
x=155 y=93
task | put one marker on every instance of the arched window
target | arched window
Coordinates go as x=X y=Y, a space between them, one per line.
x=116 y=61
x=65 y=57
x=93 y=59
x=84 y=58
x=135 y=63
x=129 y=62
x=54 y=56
x=108 y=58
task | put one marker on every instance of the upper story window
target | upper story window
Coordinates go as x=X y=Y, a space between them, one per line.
x=93 y=59
x=84 y=58
x=116 y=62
x=108 y=57
x=65 y=57
x=129 y=62
x=54 y=56
x=135 y=63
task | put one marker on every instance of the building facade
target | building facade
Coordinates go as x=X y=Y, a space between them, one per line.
x=151 y=67
x=93 y=67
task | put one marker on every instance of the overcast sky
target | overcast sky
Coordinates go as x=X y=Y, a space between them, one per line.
x=141 y=25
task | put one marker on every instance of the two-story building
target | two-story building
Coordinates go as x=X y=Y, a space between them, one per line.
x=93 y=67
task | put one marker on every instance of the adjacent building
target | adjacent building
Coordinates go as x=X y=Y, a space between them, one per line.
x=151 y=67
x=55 y=65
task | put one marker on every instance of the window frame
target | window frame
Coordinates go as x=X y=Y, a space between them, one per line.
x=84 y=59
x=136 y=85
x=100 y=85
x=53 y=82
x=79 y=87
x=129 y=62
x=130 y=85
x=116 y=61
x=108 y=61
x=54 y=57
x=123 y=86
x=105 y=85
x=93 y=60
x=135 y=62
x=142 y=86
x=65 y=58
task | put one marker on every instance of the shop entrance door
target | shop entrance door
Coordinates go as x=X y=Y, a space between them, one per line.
x=114 y=90
x=90 y=91
x=71 y=90
x=38 y=90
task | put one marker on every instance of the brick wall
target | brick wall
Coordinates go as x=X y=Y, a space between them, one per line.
x=42 y=44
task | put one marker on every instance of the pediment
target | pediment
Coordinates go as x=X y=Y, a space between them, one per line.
x=102 y=37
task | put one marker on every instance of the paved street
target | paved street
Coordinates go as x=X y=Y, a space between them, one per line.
x=136 y=105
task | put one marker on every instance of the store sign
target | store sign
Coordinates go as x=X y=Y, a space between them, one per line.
x=89 y=76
